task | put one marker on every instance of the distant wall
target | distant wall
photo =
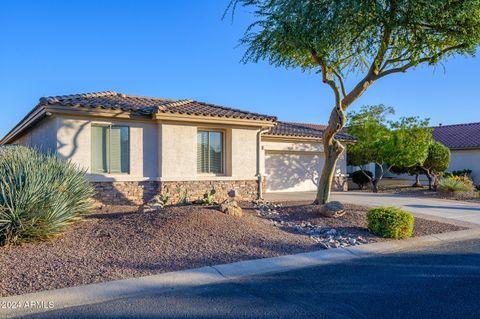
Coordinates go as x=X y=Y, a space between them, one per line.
x=466 y=159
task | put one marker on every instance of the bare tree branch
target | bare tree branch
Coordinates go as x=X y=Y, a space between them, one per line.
x=340 y=80
x=407 y=66
x=325 y=77
x=374 y=69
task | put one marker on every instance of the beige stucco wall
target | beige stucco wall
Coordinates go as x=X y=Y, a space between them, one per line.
x=179 y=156
x=74 y=143
x=41 y=136
x=466 y=159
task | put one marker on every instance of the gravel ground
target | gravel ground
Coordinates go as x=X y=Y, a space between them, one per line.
x=118 y=242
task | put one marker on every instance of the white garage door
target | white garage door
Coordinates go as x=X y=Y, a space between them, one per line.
x=292 y=172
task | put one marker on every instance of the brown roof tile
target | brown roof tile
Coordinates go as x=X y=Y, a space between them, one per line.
x=150 y=105
x=304 y=130
x=458 y=136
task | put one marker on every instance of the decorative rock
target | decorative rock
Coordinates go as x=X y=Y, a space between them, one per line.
x=352 y=241
x=230 y=207
x=331 y=232
x=332 y=209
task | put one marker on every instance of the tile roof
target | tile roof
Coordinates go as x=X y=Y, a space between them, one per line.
x=150 y=105
x=304 y=130
x=458 y=136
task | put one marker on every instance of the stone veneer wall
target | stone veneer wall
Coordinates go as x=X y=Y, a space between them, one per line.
x=138 y=193
x=125 y=193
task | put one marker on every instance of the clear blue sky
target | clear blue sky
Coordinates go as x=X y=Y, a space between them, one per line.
x=182 y=49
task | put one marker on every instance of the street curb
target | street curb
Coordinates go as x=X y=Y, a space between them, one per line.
x=107 y=291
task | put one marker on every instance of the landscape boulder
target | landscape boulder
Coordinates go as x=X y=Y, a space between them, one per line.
x=230 y=207
x=332 y=209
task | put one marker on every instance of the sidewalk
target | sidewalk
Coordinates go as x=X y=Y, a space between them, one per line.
x=97 y=293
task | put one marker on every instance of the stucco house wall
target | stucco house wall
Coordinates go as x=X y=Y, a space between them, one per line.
x=74 y=144
x=42 y=136
x=466 y=159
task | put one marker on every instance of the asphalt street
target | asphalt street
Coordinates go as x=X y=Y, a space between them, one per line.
x=434 y=282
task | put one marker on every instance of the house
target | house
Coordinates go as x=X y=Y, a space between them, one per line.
x=134 y=147
x=463 y=140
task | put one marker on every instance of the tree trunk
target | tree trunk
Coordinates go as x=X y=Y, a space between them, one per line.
x=417 y=181
x=375 y=185
x=435 y=182
x=430 y=180
x=332 y=149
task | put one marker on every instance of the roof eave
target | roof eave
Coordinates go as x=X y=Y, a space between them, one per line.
x=306 y=137
x=194 y=118
x=36 y=115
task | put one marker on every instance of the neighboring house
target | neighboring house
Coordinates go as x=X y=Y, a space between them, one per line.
x=136 y=147
x=463 y=140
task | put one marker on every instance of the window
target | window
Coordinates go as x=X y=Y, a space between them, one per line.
x=210 y=152
x=110 y=149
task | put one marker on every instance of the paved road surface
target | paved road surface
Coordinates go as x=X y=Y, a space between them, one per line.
x=442 y=208
x=437 y=282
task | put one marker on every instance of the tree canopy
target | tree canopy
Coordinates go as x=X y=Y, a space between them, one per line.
x=378 y=37
x=404 y=143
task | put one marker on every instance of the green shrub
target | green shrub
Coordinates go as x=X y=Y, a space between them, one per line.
x=183 y=197
x=40 y=195
x=390 y=222
x=359 y=178
x=456 y=184
x=209 y=197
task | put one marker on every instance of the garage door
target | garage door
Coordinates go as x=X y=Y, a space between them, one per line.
x=292 y=172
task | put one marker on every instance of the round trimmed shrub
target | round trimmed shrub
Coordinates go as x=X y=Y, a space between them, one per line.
x=40 y=195
x=390 y=222
x=359 y=178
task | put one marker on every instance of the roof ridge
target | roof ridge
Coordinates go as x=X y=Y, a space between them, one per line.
x=146 y=97
x=57 y=98
x=460 y=124
x=234 y=109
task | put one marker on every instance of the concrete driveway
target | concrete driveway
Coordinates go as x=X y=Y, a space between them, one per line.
x=463 y=212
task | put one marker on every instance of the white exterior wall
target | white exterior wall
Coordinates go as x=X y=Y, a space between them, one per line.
x=466 y=159
x=74 y=143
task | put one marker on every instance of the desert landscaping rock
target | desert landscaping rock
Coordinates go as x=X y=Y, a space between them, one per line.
x=332 y=209
x=230 y=207
x=345 y=231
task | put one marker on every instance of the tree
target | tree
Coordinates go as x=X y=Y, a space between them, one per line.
x=373 y=39
x=386 y=144
x=414 y=171
x=436 y=163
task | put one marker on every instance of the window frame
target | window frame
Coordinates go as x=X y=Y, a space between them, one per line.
x=223 y=157
x=108 y=171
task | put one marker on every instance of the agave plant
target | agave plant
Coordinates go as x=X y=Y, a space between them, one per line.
x=456 y=184
x=40 y=195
